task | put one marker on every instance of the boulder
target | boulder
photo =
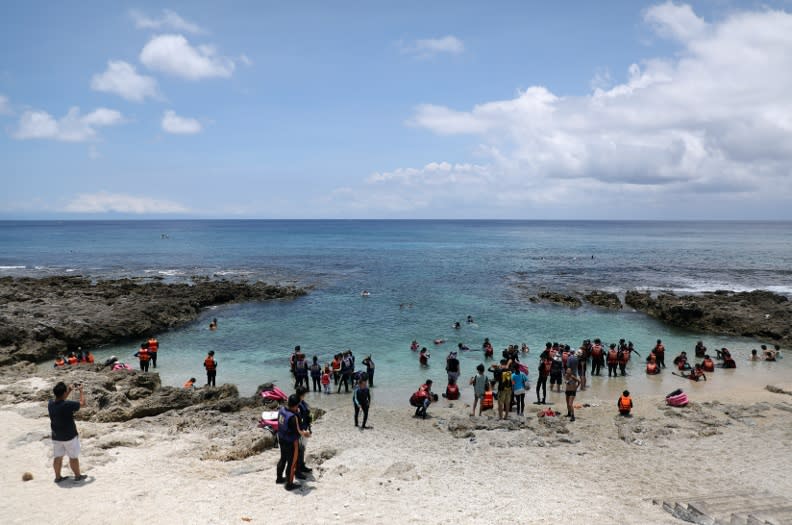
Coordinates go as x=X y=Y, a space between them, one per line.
x=607 y=300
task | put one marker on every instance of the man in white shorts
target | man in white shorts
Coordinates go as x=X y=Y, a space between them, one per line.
x=65 y=440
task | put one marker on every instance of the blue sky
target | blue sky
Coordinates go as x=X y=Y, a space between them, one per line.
x=617 y=110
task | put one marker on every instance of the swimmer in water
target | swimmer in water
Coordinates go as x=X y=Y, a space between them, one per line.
x=213 y=325
x=457 y=325
x=470 y=319
x=365 y=293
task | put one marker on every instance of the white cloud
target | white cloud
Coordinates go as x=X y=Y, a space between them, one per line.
x=72 y=127
x=675 y=21
x=167 y=20
x=429 y=47
x=173 y=123
x=173 y=55
x=5 y=105
x=122 y=79
x=104 y=202
x=715 y=120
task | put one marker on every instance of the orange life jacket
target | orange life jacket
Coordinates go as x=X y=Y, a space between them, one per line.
x=488 y=400
x=651 y=368
x=622 y=357
x=612 y=355
x=72 y=360
x=188 y=384
x=144 y=355
x=596 y=350
x=209 y=363
x=153 y=345
x=89 y=358
x=625 y=403
x=60 y=362
x=708 y=365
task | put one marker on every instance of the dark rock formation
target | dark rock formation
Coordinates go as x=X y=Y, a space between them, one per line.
x=558 y=298
x=759 y=314
x=40 y=318
x=604 y=299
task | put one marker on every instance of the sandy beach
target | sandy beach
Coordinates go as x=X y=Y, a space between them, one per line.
x=599 y=469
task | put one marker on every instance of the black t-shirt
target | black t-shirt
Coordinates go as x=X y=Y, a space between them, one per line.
x=62 y=419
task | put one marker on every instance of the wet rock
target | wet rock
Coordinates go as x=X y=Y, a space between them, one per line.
x=778 y=390
x=560 y=299
x=40 y=318
x=604 y=299
x=759 y=314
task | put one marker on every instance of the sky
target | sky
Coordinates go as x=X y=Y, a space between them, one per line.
x=413 y=109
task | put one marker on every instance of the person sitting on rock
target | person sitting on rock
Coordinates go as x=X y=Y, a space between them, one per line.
x=189 y=384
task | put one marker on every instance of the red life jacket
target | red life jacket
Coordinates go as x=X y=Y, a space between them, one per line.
x=612 y=356
x=153 y=345
x=452 y=392
x=596 y=350
x=209 y=364
x=72 y=360
x=487 y=401
x=708 y=365
x=651 y=368
x=60 y=362
x=144 y=355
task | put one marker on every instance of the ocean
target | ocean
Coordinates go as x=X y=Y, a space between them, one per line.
x=422 y=277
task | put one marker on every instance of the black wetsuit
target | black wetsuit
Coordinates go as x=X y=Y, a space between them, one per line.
x=362 y=400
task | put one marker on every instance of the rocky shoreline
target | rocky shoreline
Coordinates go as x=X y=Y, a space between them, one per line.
x=759 y=314
x=40 y=318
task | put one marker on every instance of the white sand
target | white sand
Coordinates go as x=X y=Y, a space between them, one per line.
x=403 y=470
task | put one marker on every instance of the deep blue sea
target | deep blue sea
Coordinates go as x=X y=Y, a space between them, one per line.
x=422 y=276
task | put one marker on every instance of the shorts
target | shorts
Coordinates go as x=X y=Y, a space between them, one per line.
x=504 y=395
x=519 y=392
x=571 y=393
x=69 y=448
x=555 y=379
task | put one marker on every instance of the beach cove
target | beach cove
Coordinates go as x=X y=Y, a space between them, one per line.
x=163 y=440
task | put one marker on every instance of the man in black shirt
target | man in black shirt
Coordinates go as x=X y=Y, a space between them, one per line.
x=65 y=440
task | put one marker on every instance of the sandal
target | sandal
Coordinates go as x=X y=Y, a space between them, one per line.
x=59 y=479
x=81 y=477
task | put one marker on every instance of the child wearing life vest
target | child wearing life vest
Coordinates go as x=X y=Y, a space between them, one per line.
x=326 y=379
x=211 y=369
x=452 y=391
x=625 y=404
x=189 y=384
x=488 y=401
x=144 y=357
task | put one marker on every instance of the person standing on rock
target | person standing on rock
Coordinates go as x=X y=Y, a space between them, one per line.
x=289 y=433
x=65 y=440
x=210 y=364
x=144 y=357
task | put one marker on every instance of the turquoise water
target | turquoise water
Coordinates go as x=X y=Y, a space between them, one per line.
x=445 y=269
